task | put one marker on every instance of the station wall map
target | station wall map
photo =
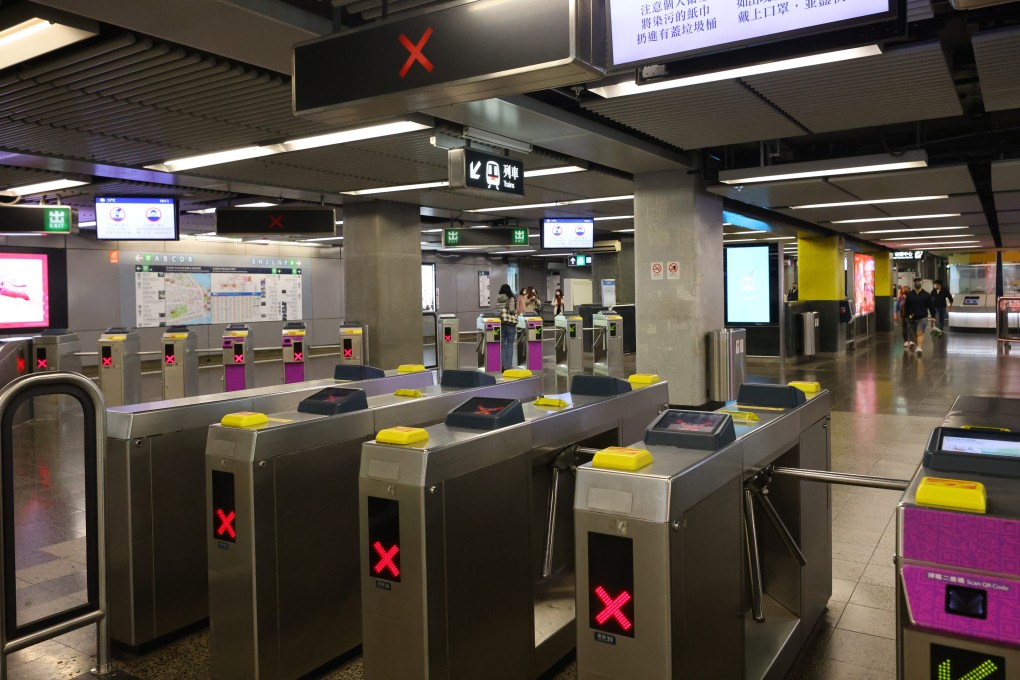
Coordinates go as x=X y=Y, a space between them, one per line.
x=189 y=292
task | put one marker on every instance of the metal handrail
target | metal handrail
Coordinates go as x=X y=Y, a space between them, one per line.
x=51 y=382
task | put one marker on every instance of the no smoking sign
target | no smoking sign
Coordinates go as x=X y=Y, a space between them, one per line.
x=656 y=271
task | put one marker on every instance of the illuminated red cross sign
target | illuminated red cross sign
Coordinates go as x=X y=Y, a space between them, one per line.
x=226 y=527
x=416 y=52
x=275 y=222
x=348 y=353
x=448 y=338
x=39 y=363
x=614 y=608
x=169 y=359
x=386 y=559
x=21 y=364
x=107 y=361
x=299 y=356
x=238 y=358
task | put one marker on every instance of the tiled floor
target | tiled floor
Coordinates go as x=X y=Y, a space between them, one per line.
x=885 y=403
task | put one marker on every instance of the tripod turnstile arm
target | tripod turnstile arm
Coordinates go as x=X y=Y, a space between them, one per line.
x=828 y=477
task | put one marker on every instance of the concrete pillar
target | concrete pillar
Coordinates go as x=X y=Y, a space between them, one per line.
x=618 y=266
x=675 y=220
x=822 y=282
x=883 y=292
x=382 y=279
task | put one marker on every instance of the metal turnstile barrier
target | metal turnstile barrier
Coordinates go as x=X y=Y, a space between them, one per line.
x=56 y=350
x=238 y=358
x=569 y=344
x=607 y=345
x=15 y=359
x=727 y=351
x=283 y=540
x=293 y=343
x=16 y=635
x=467 y=560
x=489 y=357
x=450 y=330
x=431 y=343
x=529 y=342
x=180 y=362
x=120 y=367
x=353 y=344
x=1007 y=322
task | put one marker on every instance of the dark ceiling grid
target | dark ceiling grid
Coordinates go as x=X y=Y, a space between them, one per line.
x=997 y=54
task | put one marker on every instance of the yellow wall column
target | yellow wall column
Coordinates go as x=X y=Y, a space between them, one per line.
x=884 y=297
x=820 y=274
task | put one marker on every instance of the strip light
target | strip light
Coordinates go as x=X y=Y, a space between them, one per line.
x=624 y=231
x=952 y=247
x=895 y=219
x=45 y=35
x=877 y=201
x=513 y=252
x=741 y=240
x=566 y=169
x=256 y=204
x=45 y=187
x=325 y=238
x=216 y=158
x=929 y=243
x=615 y=217
x=918 y=238
x=839 y=166
x=631 y=88
x=900 y=231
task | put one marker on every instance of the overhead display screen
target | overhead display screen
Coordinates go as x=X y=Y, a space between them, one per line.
x=24 y=290
x=136 y=219
x=568 y=234
x=864 y=283
x=667 y=29
x=751 y=284
x=982 y=446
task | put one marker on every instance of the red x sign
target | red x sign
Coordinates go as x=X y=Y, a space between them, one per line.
x=40 y=363
x=299 y=356
x=226 y=527
x=386 y=559
x=348 y=353
x=107 y=361
x=238 y=358
x=614 y=608
x=416 y=52
x=276 y=222
x=169 y=359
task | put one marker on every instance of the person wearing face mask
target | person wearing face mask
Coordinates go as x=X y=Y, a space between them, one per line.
x=943 y=302
x=918 y=307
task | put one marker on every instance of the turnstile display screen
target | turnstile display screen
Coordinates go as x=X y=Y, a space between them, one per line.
x=384 y=538
x=106 y=354
x=224 y=517
x=40 y=359
x=299 y=351
x=538 y=332
x=996 y=454
x=611 y=584
x=952 y=663
x=690 y=421
x=982 y=446
x=348 y=348
x=486 y=413
x=168 y=355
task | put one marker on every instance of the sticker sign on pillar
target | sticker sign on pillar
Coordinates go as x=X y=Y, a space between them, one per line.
x=656 y=271
x=673 y=271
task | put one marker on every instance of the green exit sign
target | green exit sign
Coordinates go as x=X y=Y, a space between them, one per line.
x=20 y=219
x=520 y=236
x=451 y=237
x=57 y=220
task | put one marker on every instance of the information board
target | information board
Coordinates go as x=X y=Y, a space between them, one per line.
x=751 y=281
x=568 y=234
x=136 y=219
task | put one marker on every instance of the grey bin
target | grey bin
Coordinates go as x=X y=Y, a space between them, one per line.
x=727 y=349
x=807 y=333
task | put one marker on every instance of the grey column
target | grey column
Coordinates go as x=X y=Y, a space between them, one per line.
x=382 y=279
x=618 y=266
x=676 y=220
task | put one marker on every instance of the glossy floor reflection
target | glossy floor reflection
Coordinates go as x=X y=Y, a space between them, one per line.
x=885 y=403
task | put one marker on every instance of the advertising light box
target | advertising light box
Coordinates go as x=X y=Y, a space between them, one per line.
x=24 y=291
x=136 y=219
x=864 y=283
x=752 y=285
x=568 y=234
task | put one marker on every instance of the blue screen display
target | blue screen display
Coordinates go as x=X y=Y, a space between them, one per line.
x=747 y=285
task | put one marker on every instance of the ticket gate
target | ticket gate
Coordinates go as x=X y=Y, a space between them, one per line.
x=353 y=344
x=489 y=357
x=158 y=562
x=670 y=558
x=569 y=343
x=238 y=358
x=294 y=352
x=607 y=345
x=467 y=558
x=450 y=326
x=283 y=543
x=958 y=539
x=180 y=362
x=56 y=350
x=120 y=367
x=529 y=342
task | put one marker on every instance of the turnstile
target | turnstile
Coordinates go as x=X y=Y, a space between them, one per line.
x=294 y=352
x=158 y=561
x=489 y=357
x=120 y=367
x=669 y=581
x=450 y=326
x=569 y=343
x=238 y=358
x=353 y=344
x=283 y=542
x=56 y=350
x=607 y=345
x=529 y=341
x=958 y=549
x=15 y=360
x=180 y=362
x=467 y=558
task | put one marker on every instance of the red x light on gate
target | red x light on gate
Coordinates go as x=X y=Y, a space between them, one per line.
x=348 y=353
x=39 y=364
x=386 y=559
x=613 y=608
x=170 y=359
x=107 y=361
x=415 y=52
x=21 y=364
x=299 y=356
x=275 y=222
x=226 y=528
x=238 y=358
x=611 y=594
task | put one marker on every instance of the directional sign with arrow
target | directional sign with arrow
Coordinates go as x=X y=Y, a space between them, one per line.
x=470 y=169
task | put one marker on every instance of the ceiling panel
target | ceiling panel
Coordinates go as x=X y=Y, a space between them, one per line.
x=967 y=219
x=838 y=213
x=997 y=54
x=702 y=115
x=898 y=86
x=1008 y=218
x=1007 y=200
x=17 y=177
x=1006 y=176
x=781 y=194
x=949 y=179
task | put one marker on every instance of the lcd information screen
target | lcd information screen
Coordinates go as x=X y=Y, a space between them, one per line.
x=650 y=31
x=971 y=301
x=751 y=285
x=483 y=406
x=687 y=421
x=982 y=446
x=864 y=283
x=24 y=290
x=136 y=219
x=568 y=234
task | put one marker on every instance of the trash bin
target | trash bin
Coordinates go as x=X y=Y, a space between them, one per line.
x=808 y=329
x=726 y=353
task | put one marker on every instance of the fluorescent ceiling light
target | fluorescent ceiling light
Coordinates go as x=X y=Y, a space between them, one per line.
x=229 y=156
x=836 y=166
x=745 y=232
x=936 y=243
x=952 y=247
x=534 y=235
x=325 y=238
x=213 y=237
x=624 y=231
x=878 y=201
x=780 y=238
x=740 y=240
x=630 y=88
x=512 y=252
x=36 y=36
x=339 y=221
x=431 y=231
x=900 y=231
x=615 y=217
x=355 y=135
x=727 y=224
x=936 y=236
x=554 y=171
x=203 y=211
x=895 y=219
x=88 y=223
x=404 y=187
x=257 y=204
x=579 y=201
x=45 y=187
x=551 y=255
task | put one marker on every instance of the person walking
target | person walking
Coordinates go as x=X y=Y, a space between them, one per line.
x=901 y=315
x=507 y=325
x=558 y=302
x=918 y=306
x=943 y=301
x=793 y=295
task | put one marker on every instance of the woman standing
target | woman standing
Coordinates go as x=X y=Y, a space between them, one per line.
x=521 y=299
x=532 y=304
x=558 y=302
x=507 y=325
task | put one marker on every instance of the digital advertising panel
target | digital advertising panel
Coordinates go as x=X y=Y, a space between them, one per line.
x=568 y=234
x=136 y=219
x=24 y=290
x=864 y=283
x=752 y=285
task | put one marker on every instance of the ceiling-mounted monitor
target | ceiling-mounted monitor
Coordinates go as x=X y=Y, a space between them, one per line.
x=568 y=233
x=137 y=218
